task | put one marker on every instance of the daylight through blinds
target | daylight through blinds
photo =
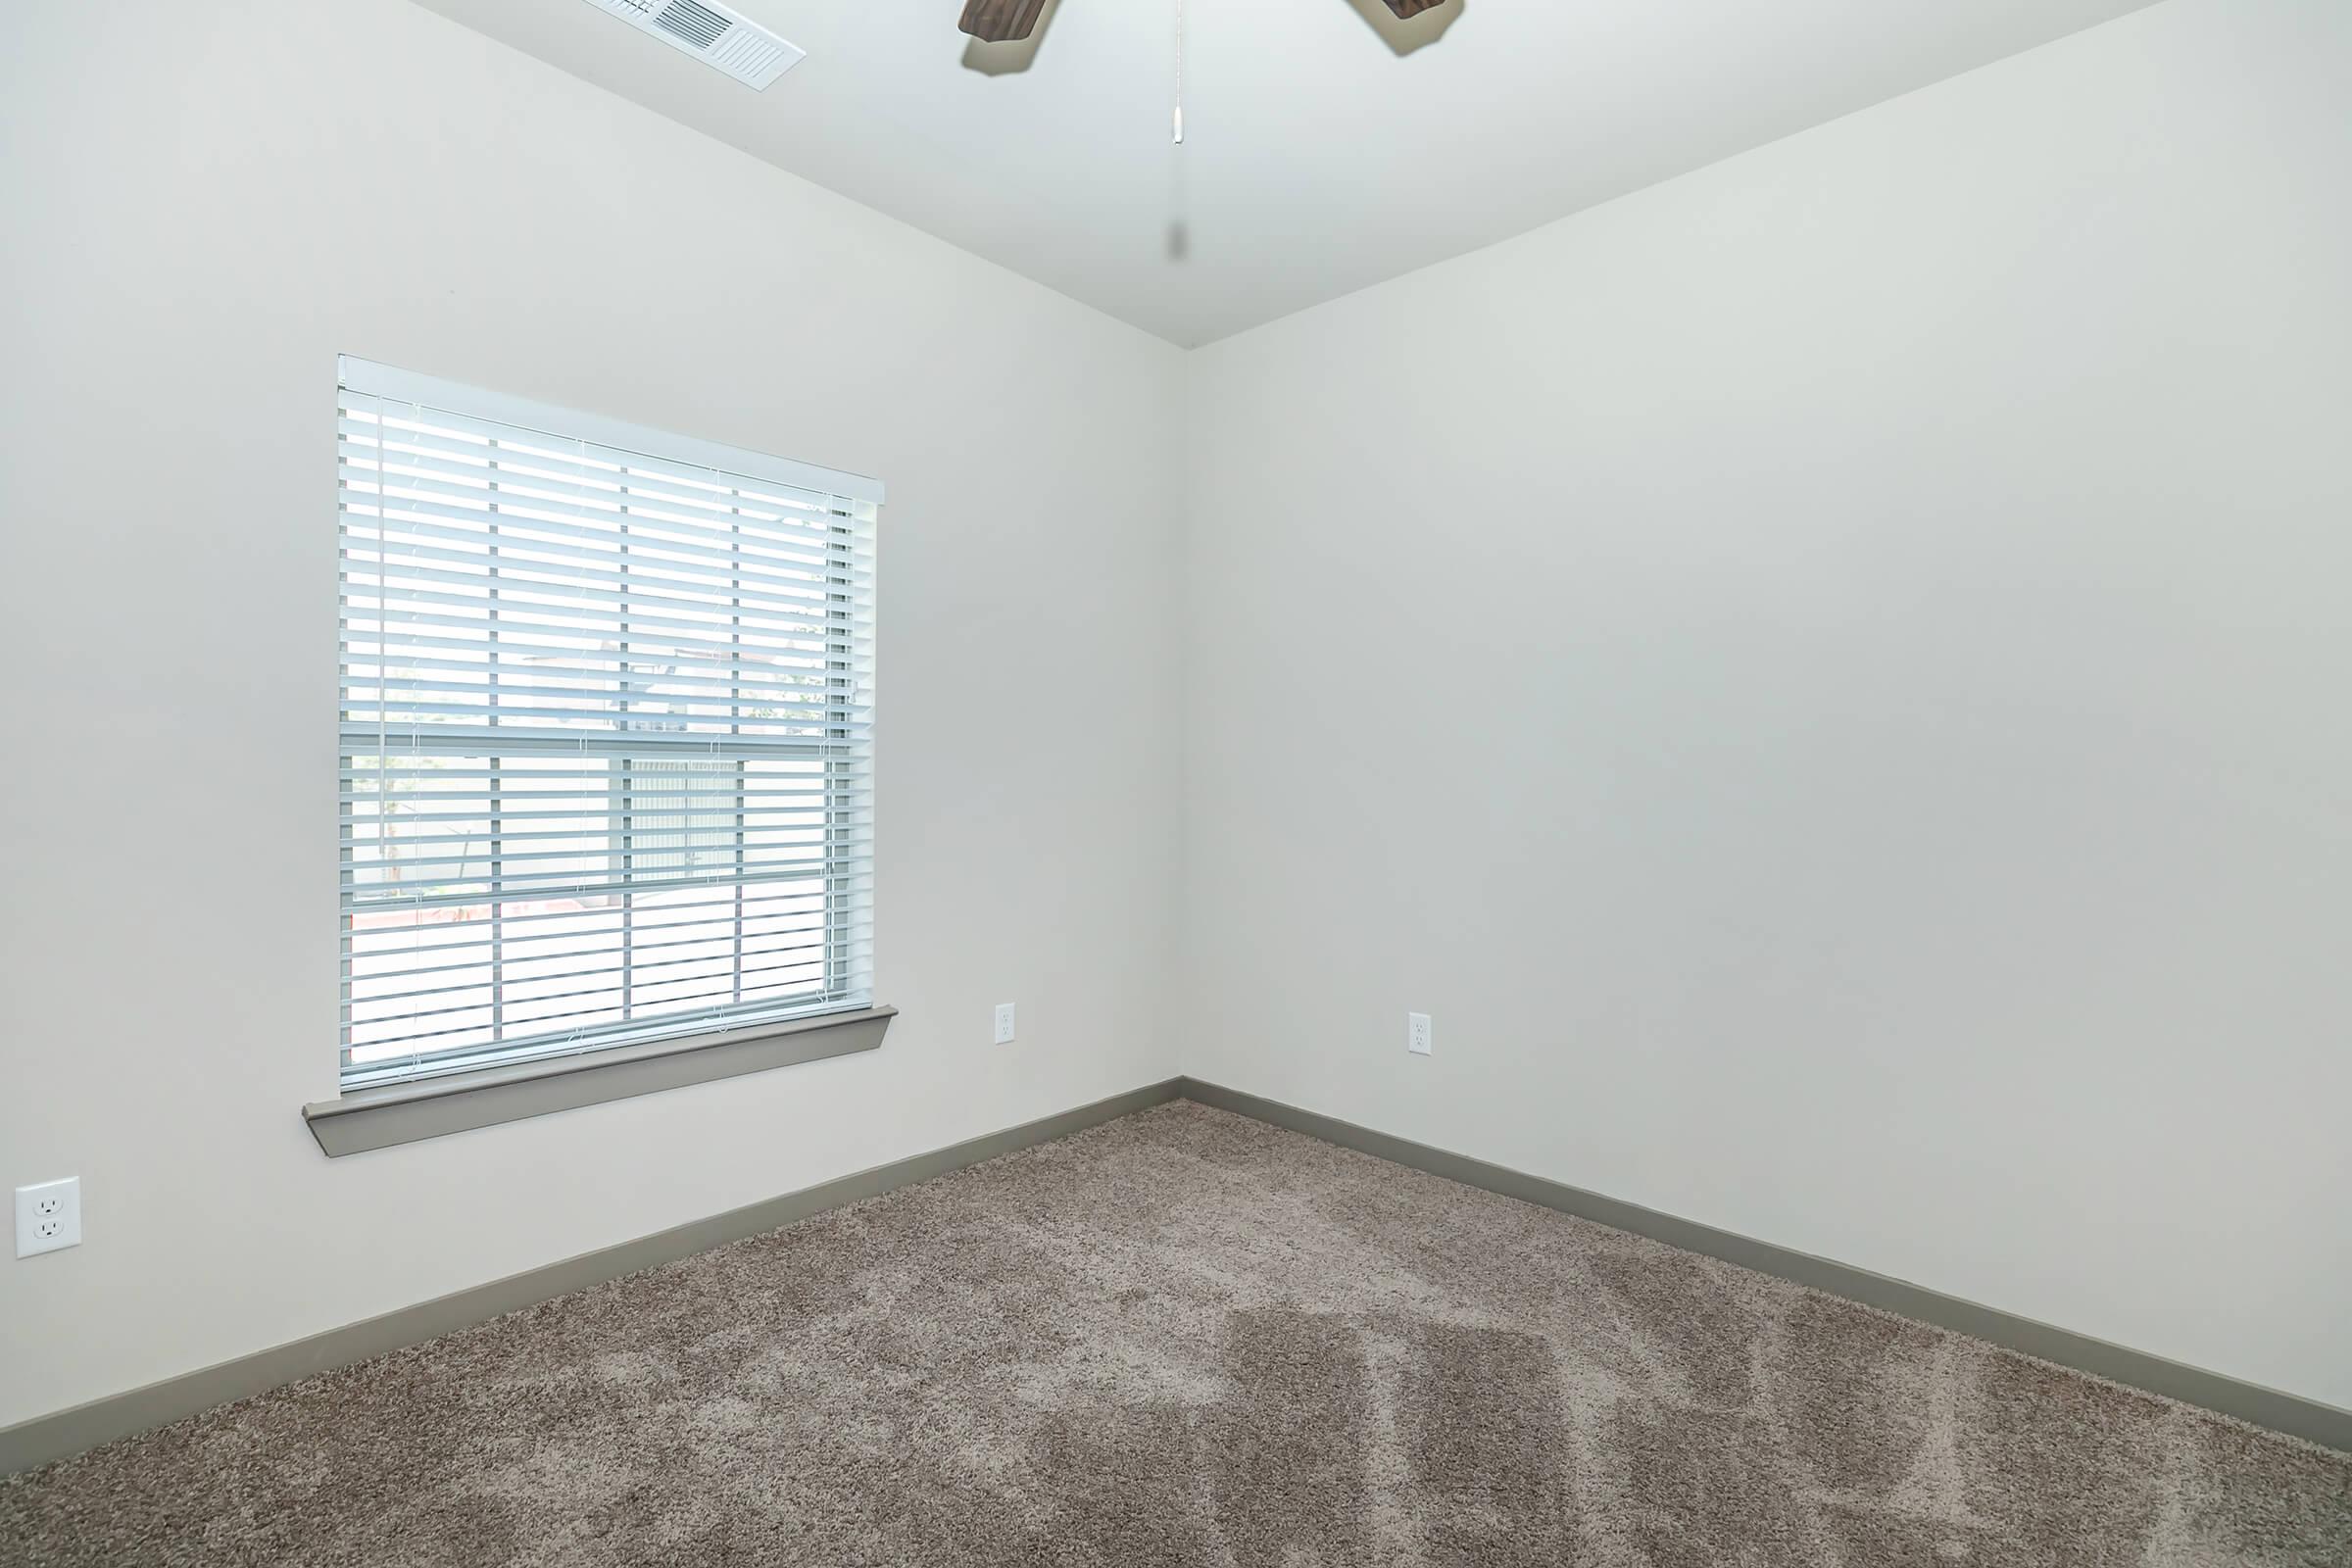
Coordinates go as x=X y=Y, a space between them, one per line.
x=605 y=732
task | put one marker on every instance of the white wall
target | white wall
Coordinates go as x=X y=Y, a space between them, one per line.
x=203 y=205
x=1827 y=677
x=1829 y=680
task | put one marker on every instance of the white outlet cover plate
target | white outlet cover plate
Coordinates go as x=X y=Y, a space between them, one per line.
x=1004 y=1023
x=1416 y=1033
x=48 y=1216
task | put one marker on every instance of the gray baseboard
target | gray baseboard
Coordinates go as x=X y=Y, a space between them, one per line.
x=85 y=1426
x=2251 y=1402
x=69 y=1432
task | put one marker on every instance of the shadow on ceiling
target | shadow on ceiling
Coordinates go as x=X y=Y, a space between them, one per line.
x=1403 y=38
x=1012 y=58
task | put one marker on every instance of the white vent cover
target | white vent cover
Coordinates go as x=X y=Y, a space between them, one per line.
x=711 y=32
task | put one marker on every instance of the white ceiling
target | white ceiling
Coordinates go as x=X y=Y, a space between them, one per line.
x=1318 y=158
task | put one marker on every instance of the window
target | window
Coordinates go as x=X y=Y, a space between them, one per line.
x=605 y=732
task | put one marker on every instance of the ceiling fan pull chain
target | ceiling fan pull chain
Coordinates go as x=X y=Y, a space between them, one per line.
x=1179 y=72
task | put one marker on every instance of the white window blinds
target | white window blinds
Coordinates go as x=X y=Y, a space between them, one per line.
x=607 y=713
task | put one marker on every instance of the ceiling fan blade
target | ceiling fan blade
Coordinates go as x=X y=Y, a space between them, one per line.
x=1001 y=20
x=1408 y=9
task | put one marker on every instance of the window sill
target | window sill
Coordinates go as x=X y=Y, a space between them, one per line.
x=403 y=1113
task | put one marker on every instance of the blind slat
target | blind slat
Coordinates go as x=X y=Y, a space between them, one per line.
x=522 y=579
x=668 y=744
x=435 y=675
x=526 y=634
x=423 y=650
x=503 y=562
x=661 y=520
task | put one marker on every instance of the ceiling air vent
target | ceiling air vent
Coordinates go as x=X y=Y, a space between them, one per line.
x=711 y=32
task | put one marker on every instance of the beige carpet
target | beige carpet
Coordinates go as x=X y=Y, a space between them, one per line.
x=1187 y=1338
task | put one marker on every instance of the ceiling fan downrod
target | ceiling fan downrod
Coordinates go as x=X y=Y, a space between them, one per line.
x=1179 y=72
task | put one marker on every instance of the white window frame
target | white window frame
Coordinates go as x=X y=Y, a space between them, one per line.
x=838 y=748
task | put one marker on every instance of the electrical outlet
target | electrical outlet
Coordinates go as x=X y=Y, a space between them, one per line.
x=48 y=1216
x=1416 y=1033
x=1004 y=1023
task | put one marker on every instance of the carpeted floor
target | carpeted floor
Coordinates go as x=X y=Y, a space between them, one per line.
x=1188 y=1337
